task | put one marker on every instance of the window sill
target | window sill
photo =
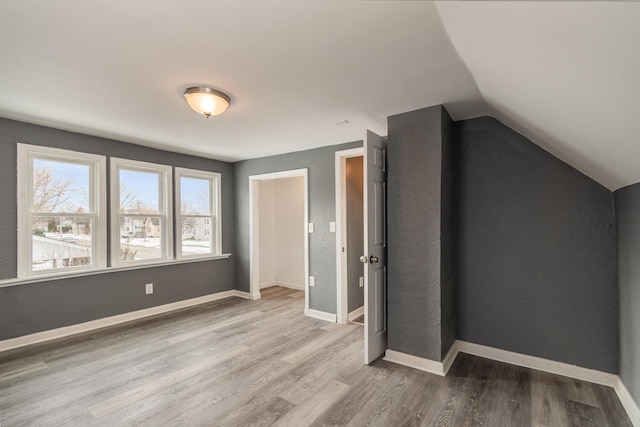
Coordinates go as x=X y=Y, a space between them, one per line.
x=58 y=276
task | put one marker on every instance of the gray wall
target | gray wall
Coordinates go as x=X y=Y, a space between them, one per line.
x=322 y=243
x=355 y=231
x=628 y=226
x=420 y=312
x=30 y=308
x=447 y=248
x=536 y=265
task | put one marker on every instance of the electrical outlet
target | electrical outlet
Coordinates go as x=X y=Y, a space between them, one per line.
x=332 y=227
x=361 y=282
x=148 y=288
x=312 y=281
x=310 y=227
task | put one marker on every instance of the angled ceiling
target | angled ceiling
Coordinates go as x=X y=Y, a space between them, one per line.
x=293 y=70
x=563 y=74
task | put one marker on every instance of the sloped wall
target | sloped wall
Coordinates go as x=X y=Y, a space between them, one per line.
x=628 y=225
x=536 y=250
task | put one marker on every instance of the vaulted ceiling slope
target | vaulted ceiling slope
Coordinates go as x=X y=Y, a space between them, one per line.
x=565 y=74
x=293 y=70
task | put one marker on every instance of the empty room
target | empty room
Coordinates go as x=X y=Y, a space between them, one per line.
x=342 y=213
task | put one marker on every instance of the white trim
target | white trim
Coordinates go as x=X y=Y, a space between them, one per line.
x=448 y=360
x=322 y=315
x=628 y=402
x=341 y=229
x=66 y=331
x=28 y=280
x=558 y=368
x=165 y=208
x=97 y=206
x=264 y=285
x=533 y=362
x=355 y=314
x=254 y=236
x=289 y=285
x=215 y=208
x=526 y=361
x=416 y=362
x=243 y=294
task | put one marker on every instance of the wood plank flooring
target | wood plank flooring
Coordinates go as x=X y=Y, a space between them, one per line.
x=257 y=363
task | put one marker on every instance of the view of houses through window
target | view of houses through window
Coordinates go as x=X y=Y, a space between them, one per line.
x=62 y=222
x=140 y=219
x=61 y=229
x=196 y=219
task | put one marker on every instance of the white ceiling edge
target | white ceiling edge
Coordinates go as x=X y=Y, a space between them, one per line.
x=563 y=74
x=116 y=70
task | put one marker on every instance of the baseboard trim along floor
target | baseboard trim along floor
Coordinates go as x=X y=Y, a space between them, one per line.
x=66 y=331
x=526 y=361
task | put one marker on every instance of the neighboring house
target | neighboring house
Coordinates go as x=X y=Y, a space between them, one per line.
x=52 y=253
x=197 y=229
x=140 y=227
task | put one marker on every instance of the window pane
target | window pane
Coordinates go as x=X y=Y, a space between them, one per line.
x=139 y=192
x=60 y=187
x=195 y=196
x=196 y=235
x=61 y=242
x=140 y=238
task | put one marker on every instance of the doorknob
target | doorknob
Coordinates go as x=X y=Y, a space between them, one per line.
x=364 y=259
x=373 y=259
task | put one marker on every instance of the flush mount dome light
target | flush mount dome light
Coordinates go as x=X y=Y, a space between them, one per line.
x=207 y=101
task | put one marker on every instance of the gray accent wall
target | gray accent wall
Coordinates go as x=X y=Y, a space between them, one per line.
x=536 y=251
x=320 y=163
x=34 y=307
x=421 y=317
x=627 y=201
x=355 y=231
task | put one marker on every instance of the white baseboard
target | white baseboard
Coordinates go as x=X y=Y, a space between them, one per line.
x=427 y=365
x=264 y=285
x=415 y=362
x=296 y=286
x=628 y=402
x=533 y=362
x=355 y=314
x=322 y=315
x=526 y=361
x=558 y=368
x=65 y=331
x=450 y=357
x=243 y=294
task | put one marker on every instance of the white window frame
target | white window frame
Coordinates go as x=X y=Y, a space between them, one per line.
x=215 y=210
x=97 y=206
x=165 y=206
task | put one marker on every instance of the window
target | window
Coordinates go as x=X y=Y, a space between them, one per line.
x=141 y=221
x=61 y=211
x=198 y=213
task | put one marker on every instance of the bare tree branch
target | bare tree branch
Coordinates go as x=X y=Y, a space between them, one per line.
x=49 y=192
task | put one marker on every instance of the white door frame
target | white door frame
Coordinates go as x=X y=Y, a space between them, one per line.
x=341 y=231
x=254 y=236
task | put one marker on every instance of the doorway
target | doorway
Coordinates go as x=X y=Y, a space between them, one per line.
x=350 y=234
x=279 y=242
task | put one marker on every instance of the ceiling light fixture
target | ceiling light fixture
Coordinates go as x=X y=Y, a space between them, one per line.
x=207 y=101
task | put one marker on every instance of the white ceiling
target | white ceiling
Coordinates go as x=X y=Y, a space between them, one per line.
x=566 y=75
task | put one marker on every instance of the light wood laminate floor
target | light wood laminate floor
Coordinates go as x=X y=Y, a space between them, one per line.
x=242 y=363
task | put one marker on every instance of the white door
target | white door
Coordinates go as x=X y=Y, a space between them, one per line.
x=375 y=246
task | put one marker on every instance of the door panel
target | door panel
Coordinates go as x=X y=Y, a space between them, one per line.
x=375 y=247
